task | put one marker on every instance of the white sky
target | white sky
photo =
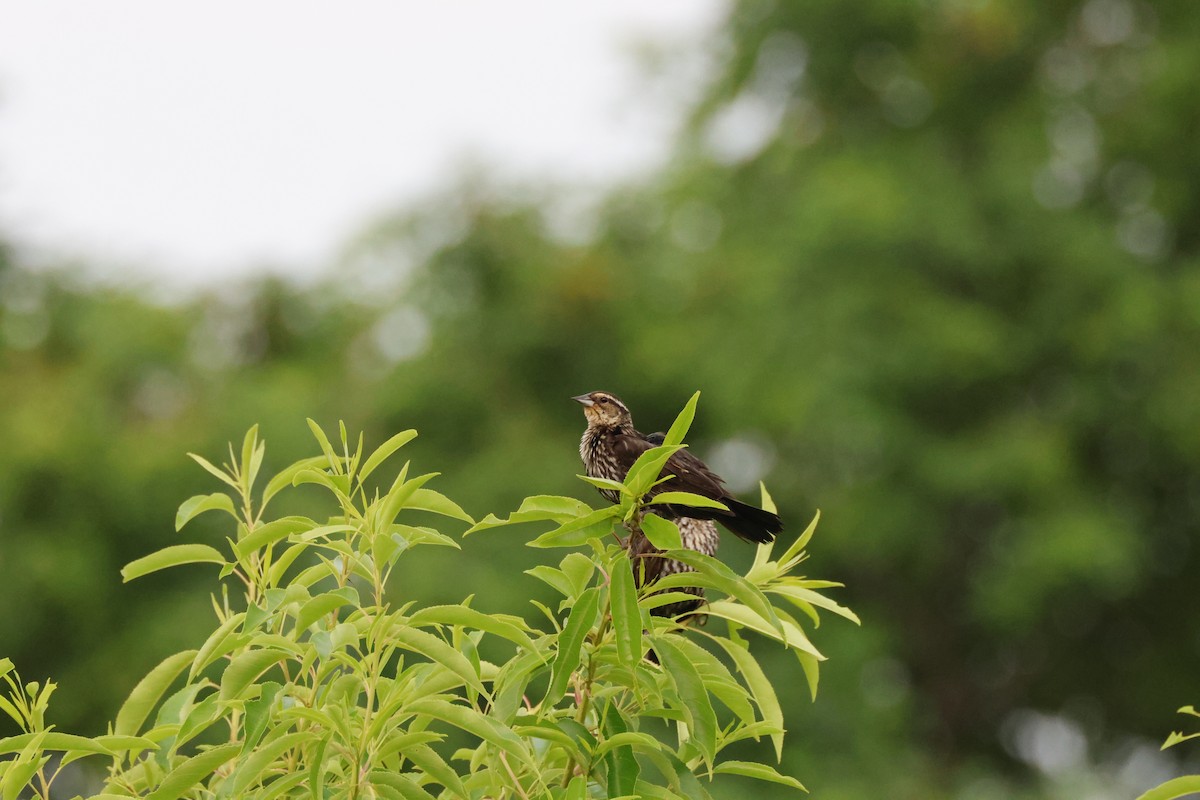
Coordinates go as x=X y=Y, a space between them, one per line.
x=199 y=139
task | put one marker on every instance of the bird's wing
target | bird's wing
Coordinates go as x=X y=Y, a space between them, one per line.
x=691 y=474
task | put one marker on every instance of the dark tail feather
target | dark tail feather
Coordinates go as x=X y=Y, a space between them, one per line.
x=749 y=522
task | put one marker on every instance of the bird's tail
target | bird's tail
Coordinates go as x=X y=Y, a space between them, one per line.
x=750 y=522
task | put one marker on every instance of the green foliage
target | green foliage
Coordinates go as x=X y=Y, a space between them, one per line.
x=316 y=683
x=1184 y=785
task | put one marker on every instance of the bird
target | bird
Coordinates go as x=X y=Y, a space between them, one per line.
x=609 y=447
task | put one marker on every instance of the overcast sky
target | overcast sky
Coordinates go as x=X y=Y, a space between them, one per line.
x=199 y=139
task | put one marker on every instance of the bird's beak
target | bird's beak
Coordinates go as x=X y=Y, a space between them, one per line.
x=584 y=400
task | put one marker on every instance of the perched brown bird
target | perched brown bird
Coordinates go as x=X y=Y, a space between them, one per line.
x=611 y=445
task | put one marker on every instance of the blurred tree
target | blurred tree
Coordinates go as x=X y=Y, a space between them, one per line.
x=934 y=267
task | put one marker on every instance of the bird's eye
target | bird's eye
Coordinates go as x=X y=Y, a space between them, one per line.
x=602 y=400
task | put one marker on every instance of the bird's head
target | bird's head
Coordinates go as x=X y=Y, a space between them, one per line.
x=604 y=410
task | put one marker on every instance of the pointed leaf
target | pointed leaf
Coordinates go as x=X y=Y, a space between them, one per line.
x=499 y=625
x=662 y=533
x=702 y=719
x=687 y=499
x=385 y=451
x=429 y=500
x=284 y=478
x=148 y=692
x=247 y=667
x=179 y=780
x=438 y=652
x=760 y=771
x=171 y=556
x=194 y=506
x=212 y=470
x=570 y=642
x=626 y=615
x=577 y=531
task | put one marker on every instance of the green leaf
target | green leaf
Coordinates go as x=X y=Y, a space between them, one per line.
x=551 y=577
x=812 y=670
x=702 y=719
x=579 y=569
x=392 y=784
x=246 y=667
x=1176 y=737
x=577 y=531
x=216 y=473
x=683 y=422
x=253 y=767
x=270 y=533
x=796 y=550
x=576 y=789
x=398 y=497
x=662 y=533
x=19 y=771
x=284 y=478
x=792 y=635
x=621 y=765
x=424 y=756
x=570 y=643
x=53 y=740
x=717 y=679
x=729 y=582
x=252 y=453
x=121 y=744
x=604 y=483
x=799 y=594
x=761 y=772
x=429 y=500
x=760 y=688
x=148 y=692
x=687 y=499
x=171 y=556
x=385 y=451
x=471 y=721
x=626 y=615
x=1176 y=787
x=331 y=456
x=536 y=509
x=194 y=506
x=507 y=627
x=437 y=651
x=179 y=780
x=648 y=467
x=323 y=604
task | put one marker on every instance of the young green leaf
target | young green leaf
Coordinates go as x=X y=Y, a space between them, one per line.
x=626 y=615
x=429 y=500
x=621 y=765
x=662 y=533
x=171 y=556
x=683 y=422
x=245 y=668
x=570 y=643
x=194 y=506
x=220 y=474
x=761 y=772
x=148 y=692
x=385 y=451
x=702 y=720
x=687 y=499
x=183 y=777
x=577 y=531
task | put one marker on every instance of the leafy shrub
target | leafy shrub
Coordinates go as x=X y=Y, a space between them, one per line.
x=316 y=683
